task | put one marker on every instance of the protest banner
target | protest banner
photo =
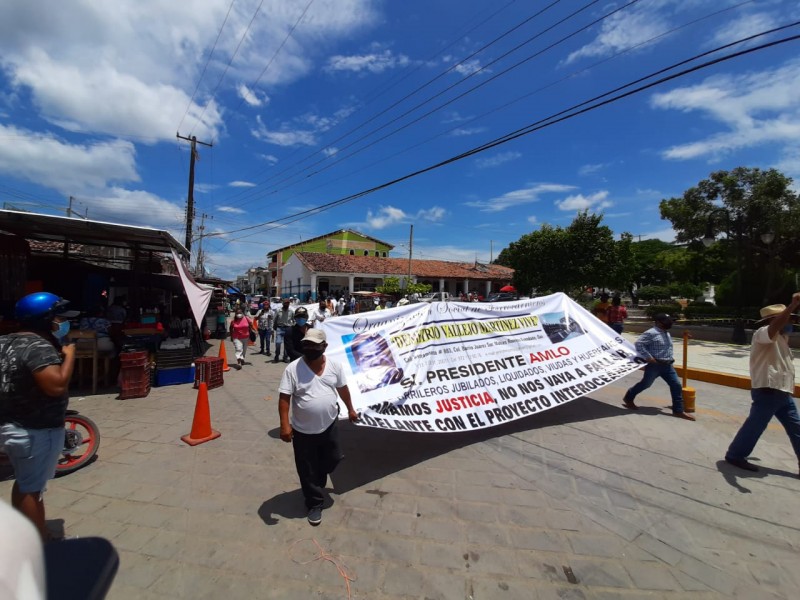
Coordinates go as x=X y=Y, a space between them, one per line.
x=459 y=366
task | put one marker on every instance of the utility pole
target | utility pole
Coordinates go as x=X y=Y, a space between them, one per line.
x=190 y=197
x=410 y=249
x=69 y=208
x=491 y=251
x=200 y=259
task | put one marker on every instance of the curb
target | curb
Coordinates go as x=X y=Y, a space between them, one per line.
x=726 y=379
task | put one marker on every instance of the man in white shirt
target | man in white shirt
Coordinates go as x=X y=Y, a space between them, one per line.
x=321 y=313
x=771 y=382
x=309 y=387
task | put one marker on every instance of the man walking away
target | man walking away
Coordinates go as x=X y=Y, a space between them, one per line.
x=282 y=320
x=655 y=346
x=309 y=387
x=772 y=384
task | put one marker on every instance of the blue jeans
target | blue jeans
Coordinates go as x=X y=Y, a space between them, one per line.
x=265 y=335
x=668 y=374
x=767 y=403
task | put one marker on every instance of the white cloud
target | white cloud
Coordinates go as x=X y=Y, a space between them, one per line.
x=69 y=168
x=533 y=220
x=590 y=169
x=578 y=202
x=496 y=160
x=242 y=184
x=205 y=188
x=252 y=98
x=469 y=67
x=269 y=158
x=374 y=62
x=387 y=216
x=756 y=108
x=284 y=137
x=742 y=27
x=230 y=209
x=624 y=30
x=135 y=207
x=464 y=131
x=330 y=150
x=665 y=235
x=516 y=197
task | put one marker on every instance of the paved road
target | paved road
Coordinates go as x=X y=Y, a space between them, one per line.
x=587 y=500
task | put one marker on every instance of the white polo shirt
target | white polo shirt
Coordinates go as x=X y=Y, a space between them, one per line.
x=313 y=397
x=771 y=363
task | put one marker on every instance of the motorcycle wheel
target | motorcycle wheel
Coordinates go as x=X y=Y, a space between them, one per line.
x=81 y=442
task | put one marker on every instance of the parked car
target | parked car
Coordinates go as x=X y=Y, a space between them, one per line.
x=255 y=304
x=501 y=297
x=436 y=297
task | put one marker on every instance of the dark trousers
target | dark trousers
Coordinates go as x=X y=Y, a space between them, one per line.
x=315 y=456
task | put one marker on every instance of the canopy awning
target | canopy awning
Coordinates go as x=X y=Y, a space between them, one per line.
x=90 y=233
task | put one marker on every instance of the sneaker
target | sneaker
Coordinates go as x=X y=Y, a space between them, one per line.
x=315 y=516
x=268 y=353
x=629 y=404
x=741 y=463
x=286 y=359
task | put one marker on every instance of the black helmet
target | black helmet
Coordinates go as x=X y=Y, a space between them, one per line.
x=301 y=313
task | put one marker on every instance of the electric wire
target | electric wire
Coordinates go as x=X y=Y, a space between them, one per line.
x=413 y=92
x=225 y=71
x=205 y=66
x=454 y=99
x=569 y=113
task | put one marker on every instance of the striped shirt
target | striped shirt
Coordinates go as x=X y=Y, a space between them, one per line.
x=655 y=343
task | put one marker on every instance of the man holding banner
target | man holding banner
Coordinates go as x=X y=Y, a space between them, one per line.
x=310 y=387
x=655 y=346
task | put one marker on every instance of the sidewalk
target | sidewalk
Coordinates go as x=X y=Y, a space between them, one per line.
x=587 y=500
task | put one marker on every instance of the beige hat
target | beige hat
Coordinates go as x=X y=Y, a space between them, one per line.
x=315 y=336
x=773 y=310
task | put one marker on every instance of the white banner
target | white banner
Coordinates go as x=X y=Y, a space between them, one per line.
x=458 y=366
x=198 y=296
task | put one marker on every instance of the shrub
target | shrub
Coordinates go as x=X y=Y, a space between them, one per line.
x=671 y=308
x=653 y=293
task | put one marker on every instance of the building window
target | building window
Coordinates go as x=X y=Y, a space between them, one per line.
x=352 y=252
x=366 y=252
x=377 y=253
x=384 y=255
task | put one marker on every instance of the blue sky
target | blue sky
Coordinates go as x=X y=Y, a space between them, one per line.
x=310 y=102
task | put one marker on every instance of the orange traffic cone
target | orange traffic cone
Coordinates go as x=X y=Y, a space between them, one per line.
x=223 y=355
x=201 y=425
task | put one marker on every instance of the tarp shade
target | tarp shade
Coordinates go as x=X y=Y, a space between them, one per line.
x=198 y=296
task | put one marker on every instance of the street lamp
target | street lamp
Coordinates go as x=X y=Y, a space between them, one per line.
x=739 y=335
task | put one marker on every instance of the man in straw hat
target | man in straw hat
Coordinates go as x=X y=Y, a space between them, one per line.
x=772 y=384
x=655 y=345
x=310 y=387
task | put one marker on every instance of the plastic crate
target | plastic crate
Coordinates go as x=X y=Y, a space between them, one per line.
x=209 y=370
x=134 y=376
x=133 y=359
x=169 y=359
x=175 y=376
x=139 y=391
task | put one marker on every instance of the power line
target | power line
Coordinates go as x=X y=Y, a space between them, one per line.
x=225 y=71
x=205 y=66
x=458 y=97
x=412 y=93
x=559 y=117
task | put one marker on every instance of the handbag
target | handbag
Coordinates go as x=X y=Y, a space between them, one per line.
x=252 y=335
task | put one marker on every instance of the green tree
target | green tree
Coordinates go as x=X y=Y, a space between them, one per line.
x=391 y=286
x=570 y=259
x=739 y=208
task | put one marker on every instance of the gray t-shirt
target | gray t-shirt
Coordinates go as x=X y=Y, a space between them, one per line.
x=313 y=397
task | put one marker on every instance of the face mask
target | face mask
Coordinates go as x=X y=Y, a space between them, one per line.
x=301 y=321
x=62 y=331
x=239 y=315
x=312 y=354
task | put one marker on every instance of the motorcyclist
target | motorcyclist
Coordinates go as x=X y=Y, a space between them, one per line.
x=36 y=366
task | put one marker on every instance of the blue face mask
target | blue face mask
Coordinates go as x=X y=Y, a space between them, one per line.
x=62 y=331
x=301 y=321
x=787 y=329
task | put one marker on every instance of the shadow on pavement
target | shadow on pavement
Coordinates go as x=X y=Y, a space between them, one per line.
x=372 y=453
x=289 y=505
x=733 y=475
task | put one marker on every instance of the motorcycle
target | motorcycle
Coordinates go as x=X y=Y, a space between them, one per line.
x=81 y=442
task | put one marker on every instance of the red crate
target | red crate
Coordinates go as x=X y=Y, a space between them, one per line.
x=139 y=391
x=134 y=376
x=208 y=369
x=133 y=359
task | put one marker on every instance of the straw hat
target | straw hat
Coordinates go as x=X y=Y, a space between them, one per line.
x=773 y=310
